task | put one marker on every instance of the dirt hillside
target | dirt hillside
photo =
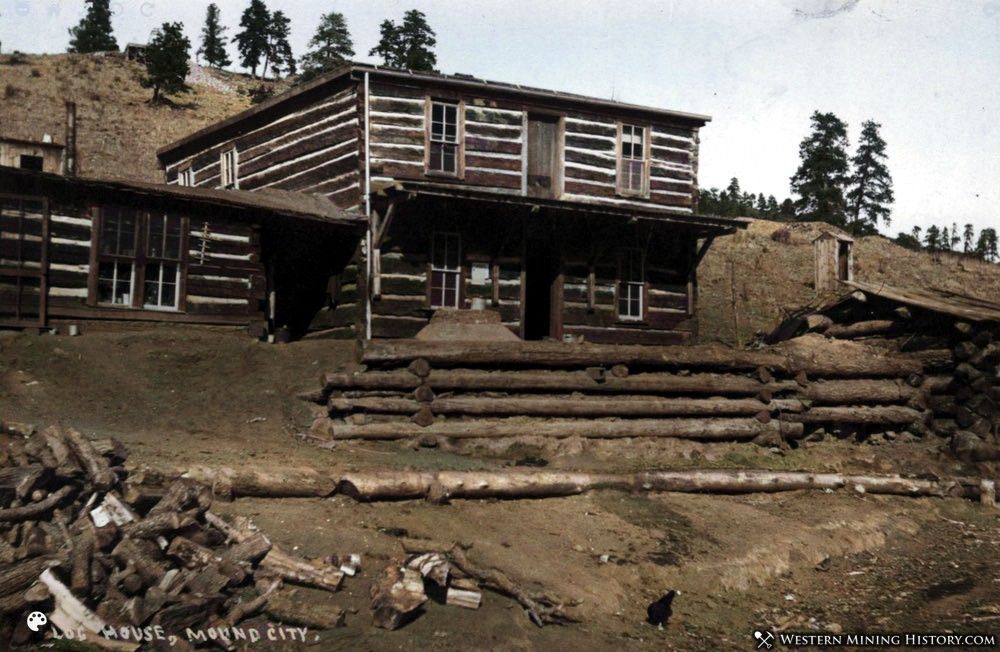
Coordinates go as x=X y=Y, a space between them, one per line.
x=774 y=275
x=118 y=130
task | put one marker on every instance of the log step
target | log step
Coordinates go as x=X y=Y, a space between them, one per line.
x=697 y=429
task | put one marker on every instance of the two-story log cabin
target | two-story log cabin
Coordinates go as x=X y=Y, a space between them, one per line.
x=569 y=215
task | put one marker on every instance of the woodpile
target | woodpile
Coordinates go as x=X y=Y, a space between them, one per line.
x=80 y=542
x=956 y=339
x=439 y=390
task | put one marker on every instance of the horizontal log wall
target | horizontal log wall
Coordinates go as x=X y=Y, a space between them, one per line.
x=314 y=149
x=225 y=275
x=494 y=148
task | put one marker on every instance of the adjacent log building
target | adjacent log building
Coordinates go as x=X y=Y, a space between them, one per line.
x=571 y=216
x=74 y=249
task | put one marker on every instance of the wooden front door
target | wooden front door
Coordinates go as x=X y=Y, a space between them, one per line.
x=24 y=231
x=543 y=156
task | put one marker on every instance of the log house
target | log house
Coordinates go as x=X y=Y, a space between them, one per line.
x=573 y=217
x=75 y=249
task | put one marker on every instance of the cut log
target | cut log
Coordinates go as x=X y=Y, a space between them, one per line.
x=933 y=359
x=144 y=556
x=302 y=571
x=552 y=381
x=253 y=482
x=399 y=353
x=869 y=415
x=288 y=606
x=555 y=406
x=34 y=510
x=184 y=494
x=15 y=578
x=93 y=463
x=861 y=329
x=860 y=391
x=244 y=610
x=717 y=429
x=195 y=556
x=71 y=615
x=818 y=323
x=158 y=524
x=513 y=484
x=396 y=595
x=80 y=558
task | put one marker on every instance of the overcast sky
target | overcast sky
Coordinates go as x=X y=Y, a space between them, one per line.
x=928 y=71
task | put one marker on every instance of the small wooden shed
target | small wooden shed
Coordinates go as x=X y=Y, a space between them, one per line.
x=834 y=261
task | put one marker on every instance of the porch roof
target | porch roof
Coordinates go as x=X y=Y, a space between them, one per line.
x=707 y=225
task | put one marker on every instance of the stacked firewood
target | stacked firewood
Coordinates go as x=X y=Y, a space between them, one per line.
x=428 y=390
x=103 y=557
x=976 y=389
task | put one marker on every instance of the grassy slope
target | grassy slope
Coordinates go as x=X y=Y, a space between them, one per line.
x=120 y=132
x=773 y=277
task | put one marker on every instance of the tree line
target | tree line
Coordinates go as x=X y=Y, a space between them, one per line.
x=262 y=43
x=937 y=239
x=852 y=192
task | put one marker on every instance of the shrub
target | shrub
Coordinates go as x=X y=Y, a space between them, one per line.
x=35 y=72
x=782 y=235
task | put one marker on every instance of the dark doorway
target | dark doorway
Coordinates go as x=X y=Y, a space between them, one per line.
x=843 y=261
x=543 y=156
x=34 y=163
x=542 y=291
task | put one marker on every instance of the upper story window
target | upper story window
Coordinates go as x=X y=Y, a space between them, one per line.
x=446 y=270
x=445 y=143
x=28 y=162
x=631 y=285
x=632 y=164
x=230 y=172
x=186 y=177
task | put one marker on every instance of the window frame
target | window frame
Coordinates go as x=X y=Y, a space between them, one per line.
x=233 y=168
x=186 y=177
x=459 y=143
x=620 y=159
x=624 y=280
x=140 y=261
x=457 y=271
x=164 y=260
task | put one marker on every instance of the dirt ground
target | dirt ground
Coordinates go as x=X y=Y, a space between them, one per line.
x=794 y=561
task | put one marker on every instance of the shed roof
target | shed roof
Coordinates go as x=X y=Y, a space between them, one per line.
x=277 y=202
x=31 y=143
x=833 y=234
x=462 y=81
x=935 y=300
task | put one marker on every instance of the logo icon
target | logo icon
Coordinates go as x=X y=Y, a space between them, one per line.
x=765 y=639
x=36 y=620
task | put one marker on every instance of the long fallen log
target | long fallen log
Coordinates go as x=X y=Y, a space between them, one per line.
x=563 y=406
x=396 y=485
x=717 y=429
x=399 y=353
x=554 y=381
x=517 y=483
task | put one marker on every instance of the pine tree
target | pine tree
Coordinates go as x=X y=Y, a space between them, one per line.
x=213 y=40
x=253 y=41
x=279 y=50
x=761 y=205
x=944 y=243
x=410 y=45
x=932 y=239
x=986 y=247
x=955 y=238
x=331 y=46
x=787 y=211
x=909 y=241
x=772 y=208
x=916 y=232
x=167 y=61
x=823 y=173
x=968 y=236
x=871 y=193
x=94 y=33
